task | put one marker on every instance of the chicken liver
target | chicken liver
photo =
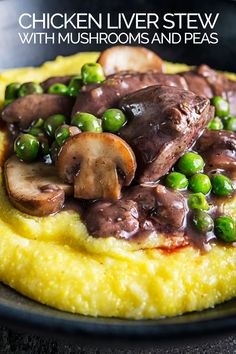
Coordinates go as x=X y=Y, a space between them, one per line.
x=163 y=123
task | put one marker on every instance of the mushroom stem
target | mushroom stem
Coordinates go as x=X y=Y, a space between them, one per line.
x=93 y=161
x=101 y=185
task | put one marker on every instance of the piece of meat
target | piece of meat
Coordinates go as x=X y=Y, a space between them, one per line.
x=55 y=80
x=163 y=122
x=145 y=198
x=212 y=139
x=219 y=150
x=141 y=211
x=216 y=81
x=206 y=81
x=220 y=159
x=165 y=206
x=231 y=96
x=25 y=110
x=95 y=99
x=197 y=84
x=118 y=219
x=170 y=207
x=203 y=80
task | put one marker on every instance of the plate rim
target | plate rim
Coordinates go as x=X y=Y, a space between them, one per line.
x=103 y=330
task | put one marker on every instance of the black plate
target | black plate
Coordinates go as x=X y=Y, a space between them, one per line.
x=21 y=312
x=16 y=310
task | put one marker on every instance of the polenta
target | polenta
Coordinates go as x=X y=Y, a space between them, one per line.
x=53 y=259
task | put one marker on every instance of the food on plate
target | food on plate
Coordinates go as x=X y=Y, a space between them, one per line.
x=34 y=188
x=176 y=117
x=125 y=58
x=118 y=184
x=202 y=81
x=87 y=122
x=92 y=73
x=92 y=162
x=29 y=88
x=24 y=110
x=65 y=80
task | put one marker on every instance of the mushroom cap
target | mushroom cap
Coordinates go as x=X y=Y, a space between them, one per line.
x=125 y=58
x=27 y=109
x=90 y=161
x=35 y=188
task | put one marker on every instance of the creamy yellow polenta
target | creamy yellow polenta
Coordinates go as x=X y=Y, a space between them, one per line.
x=53 y=259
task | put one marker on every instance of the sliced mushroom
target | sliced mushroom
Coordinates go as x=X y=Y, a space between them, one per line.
x=90 y=161
x=122 y=58
x=25 y=110
x=35 y=188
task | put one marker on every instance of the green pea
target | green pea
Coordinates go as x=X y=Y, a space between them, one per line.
x=198 y=201
x=26 y=147
x=225 y=228
x=176 y=180
x=52 y=123
x=58 y=89
x=11 y=91
x=44 y=145
x=35 y=131
x=190 y=163
x=29 y=88
x=37 y=128
x=202 y=221
x=87 y=122
x=221 y=106
x=74 y=86
x=200 y=183
x=92 y=73
x=230 y=123
x=215 y=124
x=221 y=185
x=112 y=120
x=39 y=123
x=62 y=133
x=54 y=150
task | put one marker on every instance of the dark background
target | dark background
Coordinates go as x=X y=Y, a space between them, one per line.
x=220 y=56
x=15 y=342
x=13 y=54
